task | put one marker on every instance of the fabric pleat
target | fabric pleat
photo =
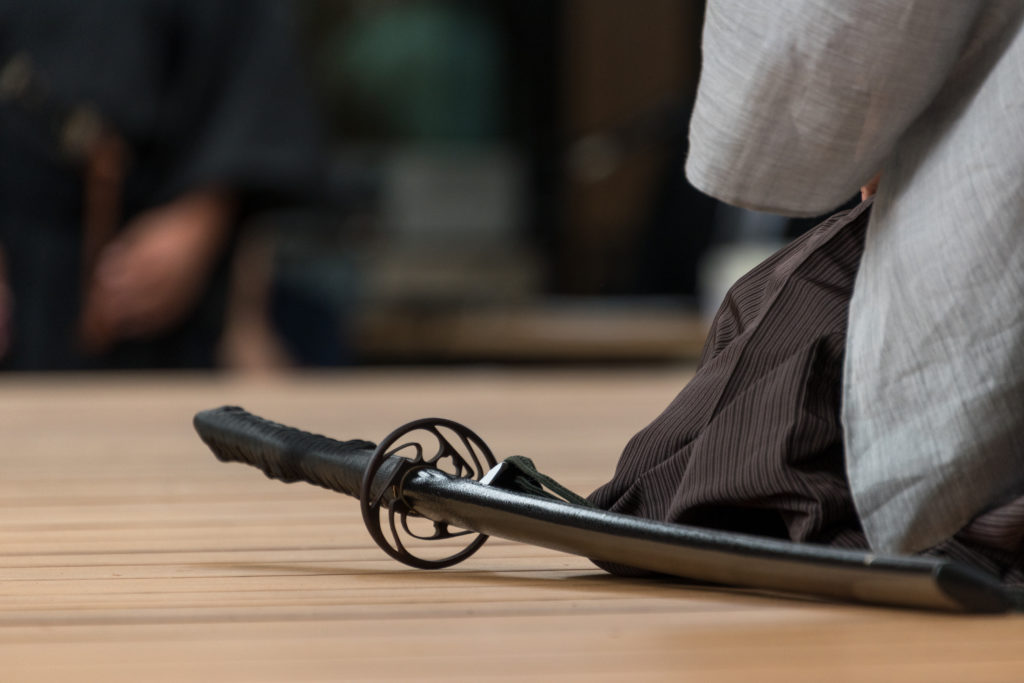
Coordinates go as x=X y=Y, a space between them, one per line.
x=754 y=442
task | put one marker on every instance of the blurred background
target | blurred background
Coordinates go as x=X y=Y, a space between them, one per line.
x=263 y=185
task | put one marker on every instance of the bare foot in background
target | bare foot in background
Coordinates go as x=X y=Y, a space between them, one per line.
x=249 y=342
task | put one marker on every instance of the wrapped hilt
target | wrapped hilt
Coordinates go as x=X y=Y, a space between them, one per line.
x=284 y=453
x=373 y=474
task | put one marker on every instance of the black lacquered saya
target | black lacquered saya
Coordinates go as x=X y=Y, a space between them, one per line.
x=437 y=474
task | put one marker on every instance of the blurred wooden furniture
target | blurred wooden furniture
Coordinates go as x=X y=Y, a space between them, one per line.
x=128 y=553
x=624 y=64
x=567 y=330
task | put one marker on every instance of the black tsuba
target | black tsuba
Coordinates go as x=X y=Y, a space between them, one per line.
x=472 y=461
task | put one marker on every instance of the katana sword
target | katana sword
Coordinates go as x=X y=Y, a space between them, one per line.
x=440 y=473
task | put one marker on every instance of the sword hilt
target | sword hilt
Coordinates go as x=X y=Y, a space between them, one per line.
x=374 y=474
x=284 y=453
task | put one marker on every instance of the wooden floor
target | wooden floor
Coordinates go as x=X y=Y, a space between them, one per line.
x=128 y=553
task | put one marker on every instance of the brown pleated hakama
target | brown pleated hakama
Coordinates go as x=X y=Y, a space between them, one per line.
x=754 y=442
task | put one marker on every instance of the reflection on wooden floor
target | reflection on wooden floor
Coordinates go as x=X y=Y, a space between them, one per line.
x=127 y=552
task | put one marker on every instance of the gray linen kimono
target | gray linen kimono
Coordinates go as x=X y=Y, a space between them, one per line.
x=802 y=101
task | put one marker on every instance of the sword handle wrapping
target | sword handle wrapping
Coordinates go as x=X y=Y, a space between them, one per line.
x=357 y=468
x=282 y=452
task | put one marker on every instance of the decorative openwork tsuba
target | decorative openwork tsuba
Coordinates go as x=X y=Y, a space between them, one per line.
x=465 y=456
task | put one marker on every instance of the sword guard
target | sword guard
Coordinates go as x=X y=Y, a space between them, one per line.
x=459 y=453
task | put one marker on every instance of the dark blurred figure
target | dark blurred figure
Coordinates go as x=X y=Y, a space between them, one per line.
x=134 y=136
